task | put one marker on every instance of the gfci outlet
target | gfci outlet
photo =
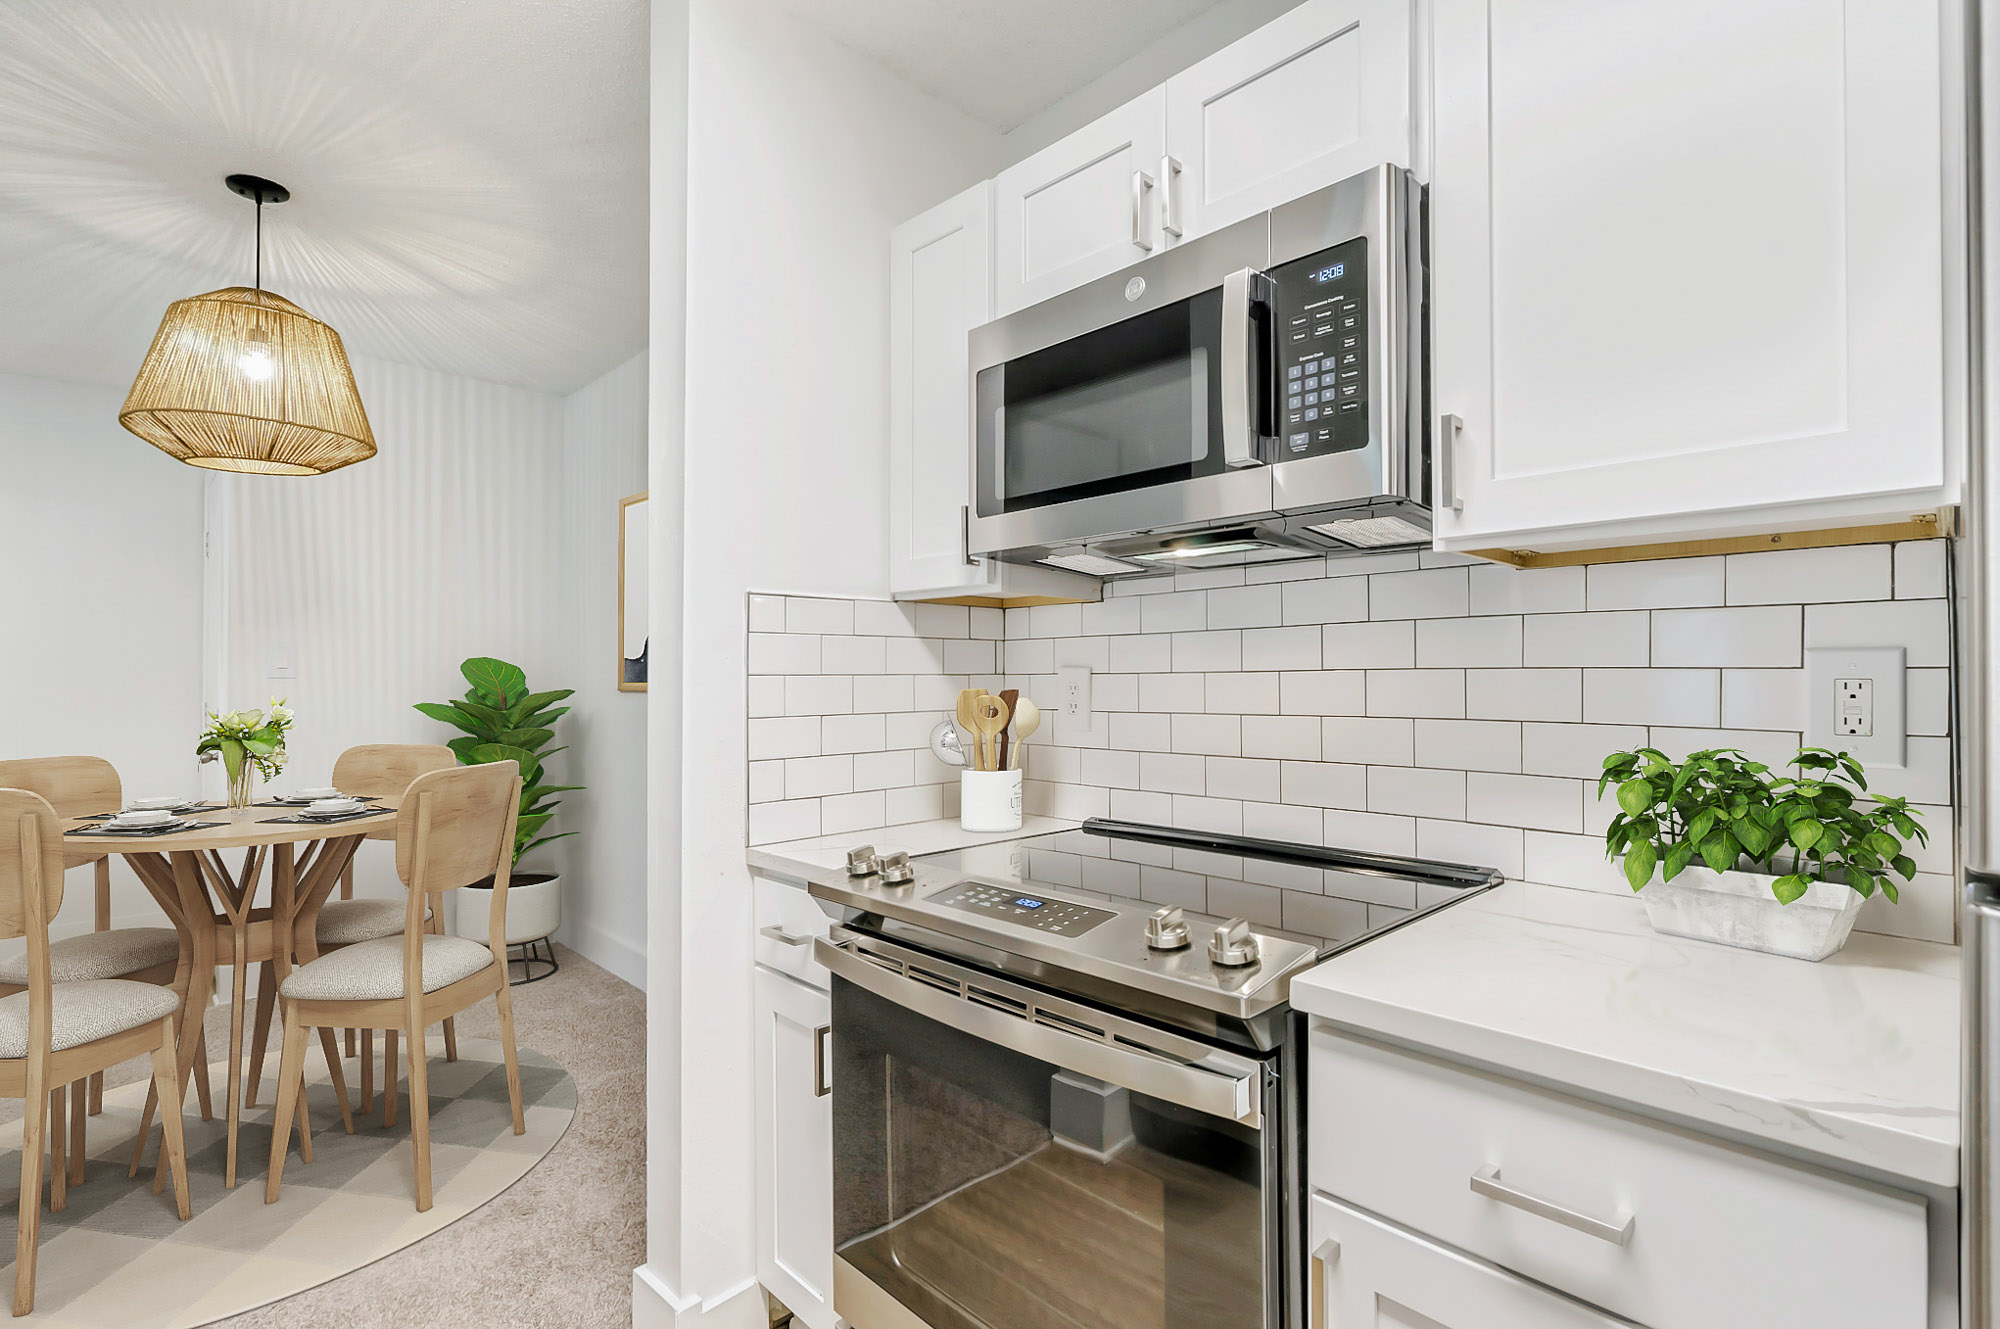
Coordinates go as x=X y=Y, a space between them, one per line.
x=1854 y=702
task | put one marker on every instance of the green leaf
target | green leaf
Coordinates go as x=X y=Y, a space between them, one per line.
x=1889 y=889
x=463 y=747
x=536 y=844
x=1635 y=796
x=528 y=825
x=261 y=747
x=1720 y=851
x=486 y=753
x=1862 y=883
x=448 y=713
x=531 y=739
x=1699 y=828
x=1806 y=832
x=1789 y=888
x=491 y=718
x=1754 y=837
x=1639 y=861
x=495 y=678
x=1904 y=864
x=1677 y=859
x=232 y=757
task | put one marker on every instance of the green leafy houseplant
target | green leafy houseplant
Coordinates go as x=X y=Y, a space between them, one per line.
x=1725 y=808
x=503 y=721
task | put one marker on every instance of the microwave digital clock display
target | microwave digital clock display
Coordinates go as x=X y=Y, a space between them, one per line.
x=1333 y=272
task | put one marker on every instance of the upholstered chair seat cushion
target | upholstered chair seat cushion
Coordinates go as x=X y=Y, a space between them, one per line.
x=84 y=1012
x=373 y=970
x=93 y=955
x=344 y=922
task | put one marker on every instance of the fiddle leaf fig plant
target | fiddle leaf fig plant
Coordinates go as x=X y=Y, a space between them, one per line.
x=503 y=721
x=1730 y=811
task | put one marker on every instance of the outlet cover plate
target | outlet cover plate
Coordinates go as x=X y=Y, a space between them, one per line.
x=1881 y=665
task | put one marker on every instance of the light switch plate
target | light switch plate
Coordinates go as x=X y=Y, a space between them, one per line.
x=1854 y=702
x=1073 y=714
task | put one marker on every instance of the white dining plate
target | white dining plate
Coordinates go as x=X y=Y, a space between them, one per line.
x=157 y=804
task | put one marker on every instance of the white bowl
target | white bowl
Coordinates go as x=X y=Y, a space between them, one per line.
x=317 y=794
x=144 y=817
x=154 y=804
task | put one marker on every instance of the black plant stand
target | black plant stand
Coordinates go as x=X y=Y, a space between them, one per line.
x=537 y=960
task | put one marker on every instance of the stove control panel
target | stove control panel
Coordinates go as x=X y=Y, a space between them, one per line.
x=1059 y=918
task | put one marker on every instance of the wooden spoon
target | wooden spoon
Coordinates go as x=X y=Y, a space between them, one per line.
x=1027 y=719
x=1007 y=699
x=990 y=716
x=966 y=697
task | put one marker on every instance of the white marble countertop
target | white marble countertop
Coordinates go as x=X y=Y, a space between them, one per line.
x=791 y=859
x=1854 y=1060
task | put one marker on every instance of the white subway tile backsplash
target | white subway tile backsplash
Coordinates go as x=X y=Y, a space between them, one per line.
x=1368 y=741
x=1111 y=617
x=765 y=694
x=1927 y=700
x=1436 y=593
x=1055 y=620
x=1775 y=748
x=943 y=620
x=810 y=777
x=1142 y=733
x=988 y=623
x=819 y=694
x=852 y=812
x=1601 y=639
x=884 y=693
x=1326 y=600
x=1764 y=698
x=1108 y=692
x=1173 y=692
x=1181 y=611
x=1147 y=654
x=821 y=617
x=1499 y=589
x=793 y=819
x=1031 y=655
x=937 y=692
x=1412 y=791
x=1200 y=579
x=926 y=802
x=1575 y=861
x=1296 y=569
x=1921 y=627
x=1469 y=745
x=1652 y=696
x=1374 y=832
x=884 y=618
x=1220 y=815
x=1106 y=767
x=1093 y=653
x=1210 y=735
x=1172 y=773
x=1287 y=736
x=793 y=736
x=1524 y=694
x=778 y=653
x=1469 y=643
x=1673 y=583
x=1369 y=646
x=1281 y=648
x=1920 y=569
x=853 y=733
x=853 y=655
x=1243 y=778
x=970 y=657
x=883 y=770
x=1436 y=693
x=767 y=613
x=1206 y=652
x=1575 y=750
x=1282 y=821
x=1245 y=607
x=1239 y=694
x=1323 y=692
x=1545 y=803
x=1324 y=784
x=1498 y=847
x=913 y=655
x=767 y=781
x=1766 y=637
x=1362 y=565
x=1808 y=576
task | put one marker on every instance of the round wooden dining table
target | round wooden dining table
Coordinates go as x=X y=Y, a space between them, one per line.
x=213 y=906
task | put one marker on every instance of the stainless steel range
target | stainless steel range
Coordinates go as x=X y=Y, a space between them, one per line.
x=1066 y=1088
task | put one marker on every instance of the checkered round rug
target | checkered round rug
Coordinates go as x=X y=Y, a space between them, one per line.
x=118 y=1258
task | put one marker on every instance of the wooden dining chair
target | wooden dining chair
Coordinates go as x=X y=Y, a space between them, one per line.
x=454 y=827
x=380 y=770
x=81 y=787
x=58 y=1033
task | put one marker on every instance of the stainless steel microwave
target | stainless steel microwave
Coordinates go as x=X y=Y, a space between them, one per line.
x=1255 y=394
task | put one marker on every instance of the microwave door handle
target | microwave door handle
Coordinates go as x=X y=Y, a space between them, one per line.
x=1242 y=367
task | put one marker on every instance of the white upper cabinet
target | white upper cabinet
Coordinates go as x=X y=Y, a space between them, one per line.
x=1308 y=99
x=1079 y=208
x=940 y=288
x=1688 y=263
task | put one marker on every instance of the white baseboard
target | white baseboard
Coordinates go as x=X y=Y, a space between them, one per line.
x=603 y=948
x=657 y=1306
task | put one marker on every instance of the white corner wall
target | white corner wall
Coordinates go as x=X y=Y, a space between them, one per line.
x=85 y=507
x=800 y=157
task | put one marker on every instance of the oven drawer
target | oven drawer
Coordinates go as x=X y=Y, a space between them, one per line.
x=1647 y=1221
x=788 y=921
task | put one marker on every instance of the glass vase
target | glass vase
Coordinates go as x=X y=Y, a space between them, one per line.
x=243 y=787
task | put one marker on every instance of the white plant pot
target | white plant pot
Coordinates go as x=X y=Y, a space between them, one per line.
x=989 y=800
x=1738 y=909
x=534 y=908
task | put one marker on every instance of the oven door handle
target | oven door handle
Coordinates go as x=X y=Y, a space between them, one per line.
x=1218 y=1083
x=1245 y=292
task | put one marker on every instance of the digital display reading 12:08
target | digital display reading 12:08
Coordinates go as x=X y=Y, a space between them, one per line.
x=1333 y=273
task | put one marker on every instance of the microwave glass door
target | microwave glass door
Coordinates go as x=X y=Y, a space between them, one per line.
x=1127 y=406
x=983 y=1188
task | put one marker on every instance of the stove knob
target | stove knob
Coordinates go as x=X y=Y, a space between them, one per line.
x=896 y=869
x=1234 y=945
x=1165 y=931
x=862 y=862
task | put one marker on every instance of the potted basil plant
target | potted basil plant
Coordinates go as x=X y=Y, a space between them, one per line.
x=1724 y=849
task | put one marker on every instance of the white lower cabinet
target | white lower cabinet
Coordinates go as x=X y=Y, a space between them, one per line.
x=1368 y=1275
x=795 y=1147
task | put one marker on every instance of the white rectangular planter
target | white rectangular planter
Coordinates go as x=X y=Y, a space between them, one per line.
x=1738 y=909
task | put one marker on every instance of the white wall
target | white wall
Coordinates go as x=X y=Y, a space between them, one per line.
x=800 y=158
x=85 y=505
x=604 y=863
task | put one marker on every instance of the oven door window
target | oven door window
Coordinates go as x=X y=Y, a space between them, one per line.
x=1135 y=404
x=985 y=1189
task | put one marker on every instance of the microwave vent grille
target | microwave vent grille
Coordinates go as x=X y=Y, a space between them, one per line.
x=1373 y=532
x=1096 y=565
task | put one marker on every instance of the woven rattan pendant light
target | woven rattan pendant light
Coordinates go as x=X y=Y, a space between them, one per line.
x=244 y=380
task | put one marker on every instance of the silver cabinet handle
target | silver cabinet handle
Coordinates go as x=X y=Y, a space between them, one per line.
x=821 y=1085
x=1449 y=428
x=1487 y=1182
x=782 y=937
x=1170 y=167
x=1141 y=182
x=1323 y=1257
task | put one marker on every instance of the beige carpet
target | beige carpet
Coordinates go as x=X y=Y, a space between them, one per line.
x=559 y=1247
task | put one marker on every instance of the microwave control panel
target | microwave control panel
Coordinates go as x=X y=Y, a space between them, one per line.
x=1322 y=362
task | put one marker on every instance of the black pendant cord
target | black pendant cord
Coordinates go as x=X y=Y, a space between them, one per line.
x=258 y=280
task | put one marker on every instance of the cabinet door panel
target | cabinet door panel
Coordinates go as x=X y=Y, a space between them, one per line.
x=1309 y=99
x=794 y=1150
x=1686 y=258
x=1368 y=1275
x=1072 y=212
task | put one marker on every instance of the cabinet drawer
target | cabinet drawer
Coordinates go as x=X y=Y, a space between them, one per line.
x=1646 y=1221
x=787 y=921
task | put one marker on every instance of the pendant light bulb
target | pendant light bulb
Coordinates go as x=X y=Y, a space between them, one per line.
x=257 y=363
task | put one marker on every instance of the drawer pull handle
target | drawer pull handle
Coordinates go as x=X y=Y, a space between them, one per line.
x=1322 y=1258
x=1487 y=1182
x=782 y=937
x=821 y=1085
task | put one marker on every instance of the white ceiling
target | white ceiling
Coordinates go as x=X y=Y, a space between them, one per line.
x=468 y=176
x=999 y=61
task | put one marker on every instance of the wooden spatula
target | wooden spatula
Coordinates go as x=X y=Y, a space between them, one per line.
x=990 y=716
x=966 y=697
x=1027 y=719
x=1007 y=699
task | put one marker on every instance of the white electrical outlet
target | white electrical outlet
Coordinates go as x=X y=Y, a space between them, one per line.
x=1073 y=717
x=1854 y=702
